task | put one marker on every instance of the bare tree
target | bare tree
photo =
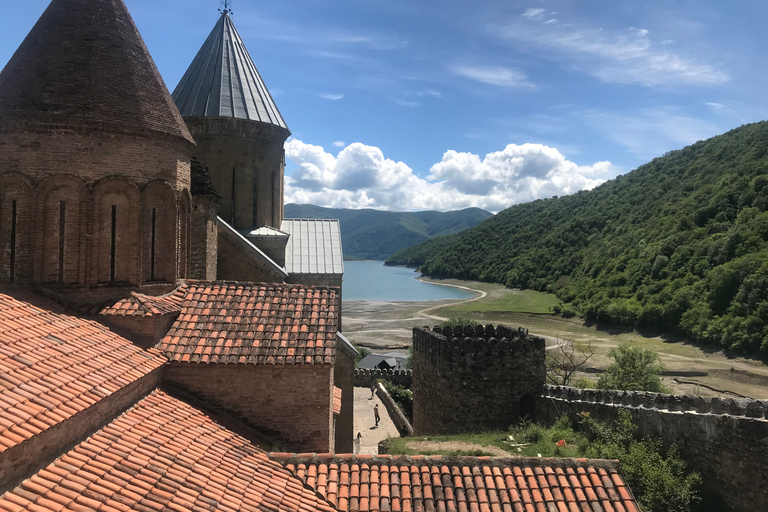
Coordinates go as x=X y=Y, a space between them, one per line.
x=564 y=360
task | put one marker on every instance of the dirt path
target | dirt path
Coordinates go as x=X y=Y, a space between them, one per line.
x=425 y=313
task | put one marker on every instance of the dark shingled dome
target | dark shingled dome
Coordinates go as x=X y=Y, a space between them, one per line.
x=84 y=67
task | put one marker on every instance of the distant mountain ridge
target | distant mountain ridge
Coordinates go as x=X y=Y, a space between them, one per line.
x=375 y=235
x=679 y=244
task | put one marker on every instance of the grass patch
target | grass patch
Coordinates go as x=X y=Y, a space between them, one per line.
x=540 y=440
x=513 y=301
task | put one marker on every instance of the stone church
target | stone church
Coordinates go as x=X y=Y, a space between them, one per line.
x=167 y=339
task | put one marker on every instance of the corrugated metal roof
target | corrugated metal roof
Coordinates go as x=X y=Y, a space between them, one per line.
x=223 y=81
x=314 y=246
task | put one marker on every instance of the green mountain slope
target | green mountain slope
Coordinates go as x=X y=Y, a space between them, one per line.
x=681 y=243
x=374 y=234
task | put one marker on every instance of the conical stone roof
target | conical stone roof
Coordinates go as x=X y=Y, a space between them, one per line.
x=84 y=67
x=223 y=81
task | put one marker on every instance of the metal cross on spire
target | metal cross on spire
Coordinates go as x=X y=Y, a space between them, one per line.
x=225 y=6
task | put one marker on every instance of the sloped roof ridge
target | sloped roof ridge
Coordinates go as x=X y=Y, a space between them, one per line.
x=85 y=67
x=254 y=284
x=222 y=81
x=442 y=460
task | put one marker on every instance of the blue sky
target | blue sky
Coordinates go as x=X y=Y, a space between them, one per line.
x=409 y=104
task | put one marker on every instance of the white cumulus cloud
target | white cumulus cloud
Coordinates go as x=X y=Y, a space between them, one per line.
x=360 y=176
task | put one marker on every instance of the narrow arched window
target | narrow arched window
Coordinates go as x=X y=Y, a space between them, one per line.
x=14 y=238
x=62 y=229
x=117 y=247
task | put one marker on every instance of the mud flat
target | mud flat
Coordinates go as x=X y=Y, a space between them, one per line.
x=386 y=325
x=382 y=326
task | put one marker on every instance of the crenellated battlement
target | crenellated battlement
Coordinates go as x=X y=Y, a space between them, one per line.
x=364 y=376
x=736 y=407
x=484 y=343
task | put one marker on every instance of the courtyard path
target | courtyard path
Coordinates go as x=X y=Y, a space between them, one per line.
x=364 y=422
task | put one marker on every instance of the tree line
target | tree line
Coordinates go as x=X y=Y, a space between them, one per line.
x=679 y=244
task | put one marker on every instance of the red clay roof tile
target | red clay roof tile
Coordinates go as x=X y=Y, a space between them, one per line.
x=247 y=323
x=163 y=454
x=139 y=304
x=487 y=484
x=54 y=365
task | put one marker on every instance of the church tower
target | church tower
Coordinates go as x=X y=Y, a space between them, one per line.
x=94 y=158
x=238 y=129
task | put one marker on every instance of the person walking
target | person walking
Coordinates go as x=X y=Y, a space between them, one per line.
x=358 y=443
x=373 y=389
x=376 y=414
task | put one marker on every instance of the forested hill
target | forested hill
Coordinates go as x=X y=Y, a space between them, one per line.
x=374 y=234
x=680 y=243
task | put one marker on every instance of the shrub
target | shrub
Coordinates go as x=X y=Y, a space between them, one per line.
x=659 y=482
x=455 y=322
x=633 y=368
x=403 y=397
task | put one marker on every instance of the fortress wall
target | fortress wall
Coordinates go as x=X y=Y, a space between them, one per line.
x=725 y=440
x=474 y=380
x=364 y=376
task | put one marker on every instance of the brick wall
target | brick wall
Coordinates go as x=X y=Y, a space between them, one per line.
x=238 y=262
x=725 y=440
x=344 y=378
x=70 y=184
x=474 y=381
x=28 y=457
x=203 y=253
x=293 y=404
x=254 y=153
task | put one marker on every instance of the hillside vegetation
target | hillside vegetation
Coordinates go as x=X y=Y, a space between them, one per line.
x=681 y=244
x=375 y=235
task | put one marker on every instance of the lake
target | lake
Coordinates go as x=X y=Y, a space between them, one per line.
x=372 y=281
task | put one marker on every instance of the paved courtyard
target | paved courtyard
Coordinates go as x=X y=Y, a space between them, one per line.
x=364 y=422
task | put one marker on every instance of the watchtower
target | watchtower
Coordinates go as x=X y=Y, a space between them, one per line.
x=474 y=380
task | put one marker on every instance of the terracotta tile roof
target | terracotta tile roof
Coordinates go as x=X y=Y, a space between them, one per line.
x=163 y=455
x=139 y=304
x=53 y=365
x=336 y=400
x=234 y=322
x=463 y=484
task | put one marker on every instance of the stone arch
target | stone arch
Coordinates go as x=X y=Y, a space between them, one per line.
x=61 y=220
x=159 y=227
x=16 y=223
x=185 y=212
x=116 y=249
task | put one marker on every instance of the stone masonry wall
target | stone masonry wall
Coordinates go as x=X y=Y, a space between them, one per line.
x=364 y=376
x=725 y=440
x=292 y=404
x=474 y=381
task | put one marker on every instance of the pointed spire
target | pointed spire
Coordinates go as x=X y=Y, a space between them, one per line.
x=83 y=67
x=223 y=81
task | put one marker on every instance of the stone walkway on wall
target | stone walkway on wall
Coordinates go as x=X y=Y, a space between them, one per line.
x=364 y=422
